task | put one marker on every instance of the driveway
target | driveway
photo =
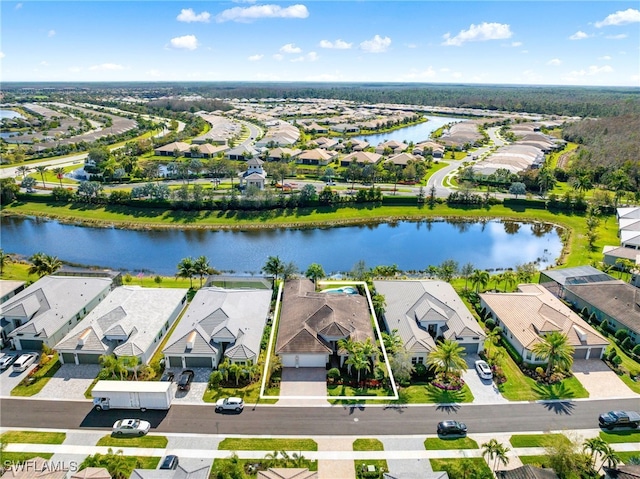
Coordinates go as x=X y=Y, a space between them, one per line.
x=303 y=387
x=599 y=380
x=484 y=391
x=70 y=382
x=10 y=379
x=196 y=391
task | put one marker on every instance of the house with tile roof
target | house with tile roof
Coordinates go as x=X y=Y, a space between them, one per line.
x=241 y=153
x=35 y=468
x=197 y=471
x=311 y=324
x=287 y=473
x=527 y=472
x=131 y=321
x=526 y=315
x=361 y=158
x=219 y=323
x=277 y=154
x=48 y=309
x=9 y=288
x=171 y=149
x=395 y=146
x=403 y=159
x=317 y=156
x=423 y=311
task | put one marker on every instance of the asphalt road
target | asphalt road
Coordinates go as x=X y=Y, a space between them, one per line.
x=320 y=421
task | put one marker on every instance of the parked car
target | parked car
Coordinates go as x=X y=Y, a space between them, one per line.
x=229 y=404
x=184 y=381
x=24 y=361
x=452 y=427
x=483 y=369
x=612 y=419
x=168 y=376
x=130 y=427
x=7 y=360
x=170 y=462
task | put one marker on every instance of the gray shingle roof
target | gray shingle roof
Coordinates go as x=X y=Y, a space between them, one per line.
x=528 y=472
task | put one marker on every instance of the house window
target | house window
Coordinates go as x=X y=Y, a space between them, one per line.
x=528 y=355
x=417 y=360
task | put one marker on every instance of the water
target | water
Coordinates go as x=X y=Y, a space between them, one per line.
x=9 y=114
x=416 y=133
x=409 y=245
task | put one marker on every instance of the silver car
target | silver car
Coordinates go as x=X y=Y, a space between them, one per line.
x=131 y=427
x=229 y=404
x=483 y=369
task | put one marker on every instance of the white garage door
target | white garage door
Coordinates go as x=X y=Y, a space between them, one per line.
x=304 y=360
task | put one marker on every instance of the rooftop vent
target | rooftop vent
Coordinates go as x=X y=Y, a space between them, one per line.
x=83 y=336
x=581 y=334
x=191 y=339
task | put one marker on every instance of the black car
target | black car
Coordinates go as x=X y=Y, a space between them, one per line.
x=170 y=462
x=168 y=376
x=452 y=427
x=184 y=381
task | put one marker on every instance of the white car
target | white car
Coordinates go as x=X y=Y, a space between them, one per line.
x=130 y=427
x=24 y=361
x=229 y=404
x=483 y=369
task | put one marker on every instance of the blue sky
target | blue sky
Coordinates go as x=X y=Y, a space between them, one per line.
x=505 y=42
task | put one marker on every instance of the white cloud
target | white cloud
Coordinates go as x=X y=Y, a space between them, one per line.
x=1 y=54
x=591 y=71
x=290 y=48
x=554 y=62
x=188 y=15
x=606 y=57
x=255 y=58
x=377 y=44
x=278 y=57
x=414 y=74
x=309 y=57
x=337 y=45
x=479 y=33
x=186 y=42
x=579 y=35
x=51 y=33
x=621 y=36
x=154 y=73
x=254 y=12
x=516 y=44
x=104 y=67
x=620 y=18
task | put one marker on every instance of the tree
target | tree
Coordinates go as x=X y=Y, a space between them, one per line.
x=315 y=272
x=4 y=259
x=289 y=270
x=480 y=278
x=556 y=350
x=8 y=190
x=114 y=366
x=401 y=366
x=23 y=170
x=567 y=460
x=274 y=267
x=59 y=172
x=360 y=272
x=447 y=358
x=466 y=271
x=546 y=181
x=41 y=169
x=496 y=452
x=594 y=446
x=353 y=173
x=392 y=341
x=517 y=188
x=447 y=270
x=90 y=189
x=28 y=183
x=44 y=264
x=186 y=269
x=202 y=268
x=509 y=278
x=582 y=183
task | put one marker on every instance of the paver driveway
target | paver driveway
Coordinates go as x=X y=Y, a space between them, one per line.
x=303 y=387
x=599 y=380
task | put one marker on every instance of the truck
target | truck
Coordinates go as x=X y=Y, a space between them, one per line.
x=612 y=419
x=140 y=395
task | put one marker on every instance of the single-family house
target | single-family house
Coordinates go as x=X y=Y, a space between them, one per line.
x=630 y=238
x=361 y=158
x=48 y=309
x=131 y=321
x=315 y=128
x=241 y=153
x=527 y=472
x=219 y=323
x=424 y=311
x=622 y=471
x=91 y=473
x=287 y=473
x=346 y=128
x=316 y=156
x=396 y=147
x=9 y=288
x=278 y=154
x=205 y=150
x=35 y=468
x=311 y=324
x=325 y=143
x=254 y=175
x=185 y=470
x=555 y=280
x=426 y=147
x=176 y=148
x=531 y=312
x=403 y=159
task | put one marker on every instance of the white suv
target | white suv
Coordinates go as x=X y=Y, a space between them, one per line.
x=24 y=361
x=229 y=404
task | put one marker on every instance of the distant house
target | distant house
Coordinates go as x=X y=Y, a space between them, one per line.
x=219 y=323
x=325 y=143
x=241 y=153
x=278 y=154
x=316 y=156
x=311 y=324
x=527 y=315
x=403 y=159
x=395 y=146
x=255 y=174
x=436 y=149
x=316 y=128
x=172 y=149
x=48 y=309
x=346 y=128
x=423 y=311
x=205 y=150
x=287 y=473
x=361 y=158
x=555 y=280
x=197 y=471
x=8 y=289
x=130 y=322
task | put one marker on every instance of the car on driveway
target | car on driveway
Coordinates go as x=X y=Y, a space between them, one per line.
x=170 y=462
x=168 y=376
x=7 y=360
x=24 y=361
x=452 y=427
x=130 y=427
x=483 y=369
x=229 y=404
x=184 y=381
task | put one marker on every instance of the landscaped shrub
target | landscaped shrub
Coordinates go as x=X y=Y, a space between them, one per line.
x=621 y=334
x=333 y=374
x=627 y=343
x=451 y=383
x=419 y=370
x=593 y=319
x=584 y=312
x=215 y=378
x=490 y=323
x=636 y=349
x=616 y=360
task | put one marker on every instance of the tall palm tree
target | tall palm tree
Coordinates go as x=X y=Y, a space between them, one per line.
x=315 y=272
x=4 y=259
x=496 y=452
x=186 y=269
x=556 y=350
x=59 y=172
x=466 y=272
x=509 y=278
x=23 y=170
x=447 y=358
x=274 y=267
x=44 y=264
x=201 y=267
x=41 y=169
x=480 y=278
x=392 y=341
x=594 y=447
x=609 y=457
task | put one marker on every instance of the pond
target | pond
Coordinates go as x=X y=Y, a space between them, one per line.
x=491 y=245
x=9 y=114
x=416 y=133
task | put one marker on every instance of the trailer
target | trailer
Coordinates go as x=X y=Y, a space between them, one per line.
x=140 y=395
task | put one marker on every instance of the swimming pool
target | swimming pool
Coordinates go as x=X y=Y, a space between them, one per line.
x=342 y=290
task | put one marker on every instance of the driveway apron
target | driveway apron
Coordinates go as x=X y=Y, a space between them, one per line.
x=599 y=380
x=303 y=387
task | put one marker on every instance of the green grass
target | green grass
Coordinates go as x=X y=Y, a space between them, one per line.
x=222 y=462
x=17 y=271
x=334 y=390
x=144 y=441
x=539 y=461
x=439 y=444
x=538 y=440
x=250 y=394
x=33 y=437
x=569 y=388
x=451 y=466
x=620 y=436
x=628 y=364
x=381 y=465
x=626 y=456
x=32 y=385
x=367 y=445
x=260 y=444
x=20 y=457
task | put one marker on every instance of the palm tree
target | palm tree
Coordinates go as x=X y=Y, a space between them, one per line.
x=392 y=341
x=186 y=269
x=480 y=278
x=59 y=172
x=509 y=278
x=315 y=272
x=466 y=272
x=23 y=170
x=201 y=267
x=274 y=266
x=41 y=169
x=44 y=264
x=609 y=457
x=447 y=358
x=556 y=350
x=496 y=452
x=4 y=259
x=594 y=446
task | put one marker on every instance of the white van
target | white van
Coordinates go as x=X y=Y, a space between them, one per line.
x=24 y=361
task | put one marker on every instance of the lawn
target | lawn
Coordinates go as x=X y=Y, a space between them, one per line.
x=452 y=466
x=367 y=445
x=33 y=437
x=220 y=464
x=620 y=436
x=9 y=458
x=626 y=456
x=250 y=394
x=437 y=444
x=380 y=464
x=627 y=364
x=32 y=385
x=538 y=440
x=154 y=442
x=539 y=461
x=259 y=444
x=126 y=464
x=343 y=390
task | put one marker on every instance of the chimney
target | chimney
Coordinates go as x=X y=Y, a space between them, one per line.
x=83 y=336
x=191 y=339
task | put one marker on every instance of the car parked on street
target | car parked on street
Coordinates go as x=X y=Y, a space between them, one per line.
x=229 y=404
x=24 y=361
x=483 y=369
x=130 y=427
x=452 y=427
x=184 y=380
x=7 y=360
x=170 y=462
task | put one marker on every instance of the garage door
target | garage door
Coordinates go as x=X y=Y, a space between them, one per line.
x=174 y=362
x=304 y=360
x=68 y=358
x=580 y=353
x=31 y=344
x=595 y=353
x=196 y=362
x=88 y=359
x=470 y=348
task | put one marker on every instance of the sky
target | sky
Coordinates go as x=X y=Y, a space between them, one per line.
x=478 y=42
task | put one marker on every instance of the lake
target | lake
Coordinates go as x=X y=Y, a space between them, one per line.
x=9 y=114
x=409 y=245
x=415 y=133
